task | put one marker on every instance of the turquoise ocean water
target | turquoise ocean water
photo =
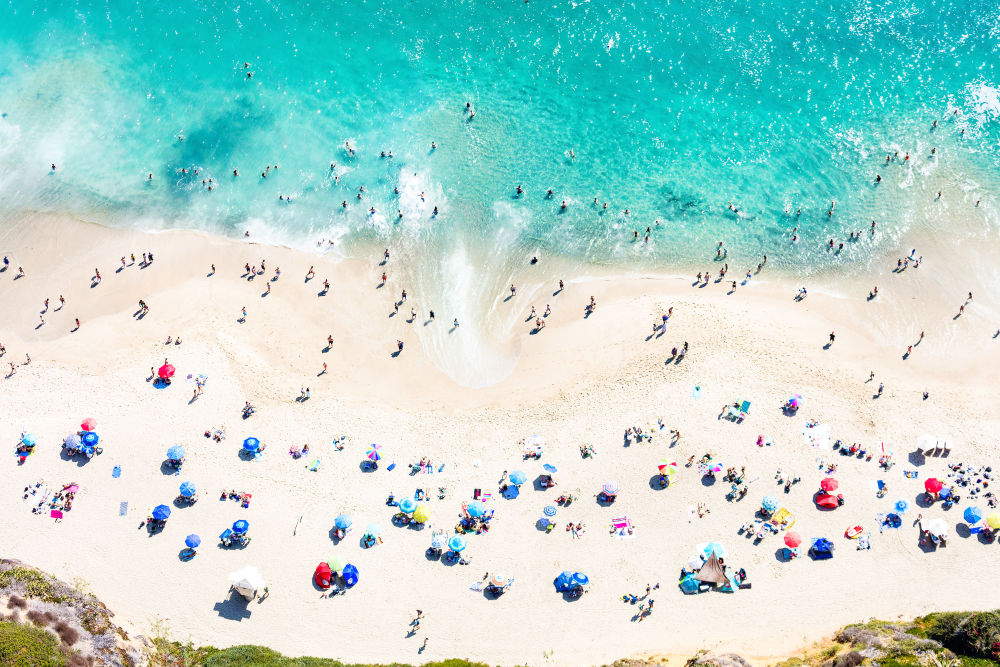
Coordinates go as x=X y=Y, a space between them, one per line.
x=672 y=109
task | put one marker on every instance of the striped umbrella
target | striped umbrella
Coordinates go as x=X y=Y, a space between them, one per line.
x=611 y=488
x=498 y=580
x=374 y=452
x=192 y=541
x=407 y=505
x=476 y=508
x=549 y=511
x=580 y=579
x=457 y=543
x=343 y=521
x=667 y=467
x=421 y=515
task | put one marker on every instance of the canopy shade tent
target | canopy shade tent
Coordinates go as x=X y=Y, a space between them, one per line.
x=247 y=581
x=711 y=572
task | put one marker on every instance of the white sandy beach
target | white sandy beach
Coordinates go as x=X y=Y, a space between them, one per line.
x=580 y=380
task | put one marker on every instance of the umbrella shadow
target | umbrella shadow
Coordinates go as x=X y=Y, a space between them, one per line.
x=708 y=480
x=921 y=500
x=605 y=501
x=234 y=608
x=962 y=530
x=368 y=466
x=656 y=483
x=168 y=469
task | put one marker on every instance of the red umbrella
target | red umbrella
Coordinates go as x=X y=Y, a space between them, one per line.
x=166 y=371
x=829 y=484
x=88 y=424
x=792 y=539
x=933 y=485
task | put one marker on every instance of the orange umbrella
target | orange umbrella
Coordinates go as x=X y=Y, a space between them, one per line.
x=166 y=371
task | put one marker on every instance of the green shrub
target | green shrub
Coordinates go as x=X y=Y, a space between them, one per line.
x=983 y=634
x=943 y=627
x=28 y=646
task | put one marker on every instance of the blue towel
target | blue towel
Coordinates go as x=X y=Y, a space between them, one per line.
x=117 y=472
x=123 y=508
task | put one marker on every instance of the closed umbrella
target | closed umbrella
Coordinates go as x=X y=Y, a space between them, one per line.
x=457 y=543
x=187 y=489
x=611 y=488
x=350 y=575
x=251 y=445
x=161 y=512
x=421 y=514
x=829 y=484
x=476 y=508
x=88 y=424
x=933 y=485
x=792 y=540
x=192 y=541
x=90 y=438
x=373 y=530
x=517 y=478
x=407 y=505
x=769 y=503
x=175 y=453
x=241 y=526
x=972 y=514
x=374 y=452
x=549 y=511
x=343 y=521
x=166 y=371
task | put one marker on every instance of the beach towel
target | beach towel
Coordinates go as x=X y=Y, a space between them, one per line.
x=314 y=465
x=116 y=472
x=478 y=587
x=123 y=508
x=56 y=514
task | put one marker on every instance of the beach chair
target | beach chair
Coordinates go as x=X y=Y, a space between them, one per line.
x=226 y=537
x=744 y=411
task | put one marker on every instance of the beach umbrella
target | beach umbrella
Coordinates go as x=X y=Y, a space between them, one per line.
x=611 y=488
x=343 y=521
x=438 y=541
x=241 y=526
x=517 y=478
x=336 y=563
x=972 y=514
x=90 y=438
x=937 y=527
x=580 y=579
x=421 y=515
x=350 y=575
x=175 y=453
x=666 y=467
x=829 y=484
x=87 y=450
x=535 y=441
x=166 y=371
x=769 y=503
x=933 y=485
x=192 y=541
x=407 y=505
x=251 y=445
x=795 y=401
x=549 y=511
x=72 y=441
x=88 y=424
x=374 y=452
x=457 y=543
x=716 y=467
x=161 y=512
x=708 y=548
x=322 y=575
x=476 y=508
x=549 y=468
x=373 y=530
x=993 y=520
x=187 y=489
x=28 y=440
x=902 y=506
x=498 y=580
x=792 y=540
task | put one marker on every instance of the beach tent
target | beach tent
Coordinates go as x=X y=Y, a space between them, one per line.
x=827 y=501
x=689 y=584
x=350 y=575
x=247 y=581
x=564 y=582
x=821 y=548
x=711 y=572
x=322 y=575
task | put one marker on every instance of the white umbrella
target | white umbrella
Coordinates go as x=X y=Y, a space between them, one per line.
x=937 y=527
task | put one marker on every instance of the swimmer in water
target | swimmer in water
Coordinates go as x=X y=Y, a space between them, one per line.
x=563 y=207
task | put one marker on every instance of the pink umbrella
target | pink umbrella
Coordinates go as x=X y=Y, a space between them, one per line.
x=933 y=485
x=166 y=371
x=792 y=539
x=89 y=424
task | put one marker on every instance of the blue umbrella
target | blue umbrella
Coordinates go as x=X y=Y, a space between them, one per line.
x=518 y=478
x=175 y=453
x=192 y=541
x=350 y=575
x=343 y=521
x=972 y=514
x=373 y=529
x=28 y=440
x=476 y=508
x=87 y=450
x=187 y=489
x=902 y=506
x=549 y=468
x=457 y=543
x=161 y=512
x=549 y=510
x=72 y=441
x=580 y=579
x=708 y=548
x=241 y=526
x=251 y=445
x=564 y=581
x=90 y=438
x=407 y=505
x=769 y=503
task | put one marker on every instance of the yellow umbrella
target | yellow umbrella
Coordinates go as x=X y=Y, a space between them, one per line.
x=993 y=520
x=420 y=514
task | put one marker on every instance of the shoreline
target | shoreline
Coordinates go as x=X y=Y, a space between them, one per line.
x=580 y=380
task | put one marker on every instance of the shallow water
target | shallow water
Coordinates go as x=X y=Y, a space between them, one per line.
x=672 y=109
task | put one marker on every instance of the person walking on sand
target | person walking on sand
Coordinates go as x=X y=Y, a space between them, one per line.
x=78 y=323
x=513 y=290
x=244 y=311
x=310 y=273
x=324 y=369
x=833 y=336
